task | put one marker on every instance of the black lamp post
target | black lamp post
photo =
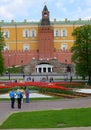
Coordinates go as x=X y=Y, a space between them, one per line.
x=22 y=69
x=65 y=66
x=22 y=66
x=9 y=66
x=69 y=70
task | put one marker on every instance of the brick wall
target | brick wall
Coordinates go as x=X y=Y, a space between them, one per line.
x=18 y=58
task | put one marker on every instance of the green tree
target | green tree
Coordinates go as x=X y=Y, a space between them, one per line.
x=82 y=51
x=1 y=64
x=2 y=44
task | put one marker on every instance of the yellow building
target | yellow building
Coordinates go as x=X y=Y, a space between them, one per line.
x=24 y=36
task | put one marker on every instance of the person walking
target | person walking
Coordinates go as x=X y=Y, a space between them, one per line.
x=12 y=97
x=27 y=95
x=22 y=94
x=19 y=97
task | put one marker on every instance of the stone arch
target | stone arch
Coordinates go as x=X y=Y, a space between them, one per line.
x=44 y=68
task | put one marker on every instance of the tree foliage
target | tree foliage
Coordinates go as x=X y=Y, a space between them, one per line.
x=2 y=44
x=82 y=50
x=1 y=64
x=2 y=41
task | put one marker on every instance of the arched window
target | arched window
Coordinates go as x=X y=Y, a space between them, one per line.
x=64 y=46
x=25 y=33
x=56 y=33
x=32 y=33
x=6 y=34
x=64 y=33
x=26 y=47
x=6 y=48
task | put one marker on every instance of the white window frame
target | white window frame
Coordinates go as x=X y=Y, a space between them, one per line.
x=6 y=48
x=25 y=33
x=56 y=32
x=63 y=32
x=6 y=34
x=33 y=33
x=26 y=47
x=64 y=46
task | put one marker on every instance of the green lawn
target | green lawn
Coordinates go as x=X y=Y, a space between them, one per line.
x=49 y=119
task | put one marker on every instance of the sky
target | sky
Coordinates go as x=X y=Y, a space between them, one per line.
x=18 y=10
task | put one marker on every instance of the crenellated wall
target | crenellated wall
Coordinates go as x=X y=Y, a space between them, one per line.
x=18 y=58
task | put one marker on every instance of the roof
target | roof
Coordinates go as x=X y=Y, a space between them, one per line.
x=55 y=22
x=45 y=8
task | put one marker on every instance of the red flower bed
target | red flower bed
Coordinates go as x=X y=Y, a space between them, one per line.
x=1 y=86
x=71 y=84
x=37 y=84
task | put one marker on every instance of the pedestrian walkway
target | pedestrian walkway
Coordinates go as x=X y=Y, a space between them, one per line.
x=6 y=111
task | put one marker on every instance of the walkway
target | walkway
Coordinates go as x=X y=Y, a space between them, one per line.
x=5 y=109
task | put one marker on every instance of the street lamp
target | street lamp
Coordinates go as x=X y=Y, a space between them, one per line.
x=65 y=71
x=65 y=66
x=69 y=70
x=21 y=66
x=9 y=66
x=22 y=69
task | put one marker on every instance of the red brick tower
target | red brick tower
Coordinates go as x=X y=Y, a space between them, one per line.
x=45 y=36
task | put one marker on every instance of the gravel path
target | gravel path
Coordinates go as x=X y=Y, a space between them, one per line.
x=5 y=109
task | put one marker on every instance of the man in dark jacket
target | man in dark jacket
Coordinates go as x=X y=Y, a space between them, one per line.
x=12 y=97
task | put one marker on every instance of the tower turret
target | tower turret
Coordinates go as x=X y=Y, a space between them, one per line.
x=45 y=16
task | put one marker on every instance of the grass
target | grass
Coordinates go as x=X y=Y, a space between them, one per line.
x=49 y=119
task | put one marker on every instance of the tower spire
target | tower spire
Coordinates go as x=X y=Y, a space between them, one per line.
x=45 y=16
x=45 y=3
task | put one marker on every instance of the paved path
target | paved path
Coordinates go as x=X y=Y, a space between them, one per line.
x=5 y=109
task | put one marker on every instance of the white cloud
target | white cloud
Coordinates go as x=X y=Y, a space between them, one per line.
x=5 y=13
x=88 y=2
x=60 y=6
x=14 y=9
x=79 y=10
x=32 y=9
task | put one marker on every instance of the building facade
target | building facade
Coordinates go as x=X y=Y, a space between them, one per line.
x=42 y=46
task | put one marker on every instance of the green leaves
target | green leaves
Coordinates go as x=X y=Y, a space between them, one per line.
x=1 y=64
x=2 y=44
x=2 y=41
x=82 y=50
